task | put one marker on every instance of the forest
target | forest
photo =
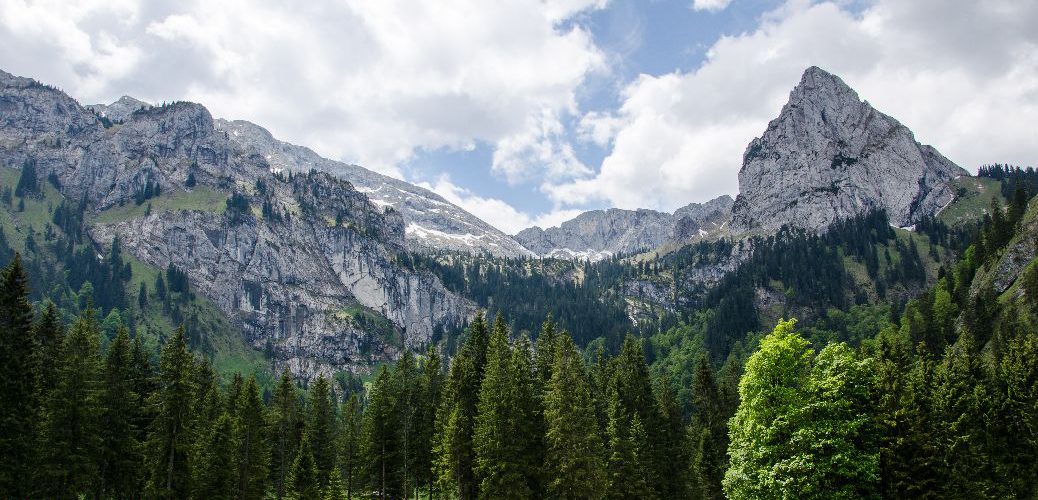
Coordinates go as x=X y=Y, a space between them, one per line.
x=873 y=396
x=927 y=408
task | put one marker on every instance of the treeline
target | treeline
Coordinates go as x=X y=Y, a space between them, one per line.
x=508 y=419
x=577 y=294
x=1011 y=178
x=812 y=270
x=887 y=420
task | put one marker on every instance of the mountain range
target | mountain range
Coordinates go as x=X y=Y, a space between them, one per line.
x=319 y=261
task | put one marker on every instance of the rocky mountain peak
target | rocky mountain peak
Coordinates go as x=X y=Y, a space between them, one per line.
x=829 y=156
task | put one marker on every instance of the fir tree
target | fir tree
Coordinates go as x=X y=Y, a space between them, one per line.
x=16 y=380
x=321 y=424
x=73 y=411
x=430 y=387
x=285 y=428
x=709 y=433
x=169 y=442
x=213 y=469
x=252 y=455
x=302 y=480
x=628 y=445
x=498 y=466
x=120 y=460
x=574 y=463
x=381 y=439
x=349 y=448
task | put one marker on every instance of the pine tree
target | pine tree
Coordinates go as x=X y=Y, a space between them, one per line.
x=169 y=441
x=120 y=450
x=321 y=424
x=349 y=448
x=252 y=455
x=381 y=439
x=286 y=425
x=498 y=466
x=16 y=381
x=574 y=464
x=213 y=470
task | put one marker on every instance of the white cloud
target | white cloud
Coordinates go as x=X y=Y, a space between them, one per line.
x=710 y=5
x=367 y=82
x=962 y=75
x=496 y=212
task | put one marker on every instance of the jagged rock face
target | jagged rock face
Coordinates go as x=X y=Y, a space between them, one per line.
x=293 y=273
x=700 y=220
x=599 y=234
x=431 y=222
x=120 y=110
x=829 y=156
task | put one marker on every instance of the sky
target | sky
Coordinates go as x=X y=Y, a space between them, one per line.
x=528 y=112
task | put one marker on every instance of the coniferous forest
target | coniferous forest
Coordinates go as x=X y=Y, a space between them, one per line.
x=930 y=407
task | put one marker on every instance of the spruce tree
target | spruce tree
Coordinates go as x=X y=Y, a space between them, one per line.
x=671 y=448
x=628 y=473
x=457 y=413
x=406 y=399
x=213 y=472
x=321 y=425
x=302 y=479
x=430 y=388
x=382 y=439
x=169 y=442
x=16 y=381
x=285 y=426
x=528 y=415
x=349 y=447
x=963 y=402
x=252 y=455
x=574 y=463
x=72 y=434
x=498 y=466
x=1018 y=376
x=708 y=433
x=120 y=450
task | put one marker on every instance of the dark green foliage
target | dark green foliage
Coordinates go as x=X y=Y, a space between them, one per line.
x=16 y=380
x=72 y=436
x=382 y=447
x=252 y=454
x=350 y=446
x=169 y=442
x=213 y=474
x=28 y=182
x=120 y=451
x=574 y=463
x=285 y=427
x=321 y=424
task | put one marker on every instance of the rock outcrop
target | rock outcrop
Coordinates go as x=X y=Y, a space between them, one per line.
x=308 y=266
x=829 y=156
x=431 y=222
x=599 y=234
